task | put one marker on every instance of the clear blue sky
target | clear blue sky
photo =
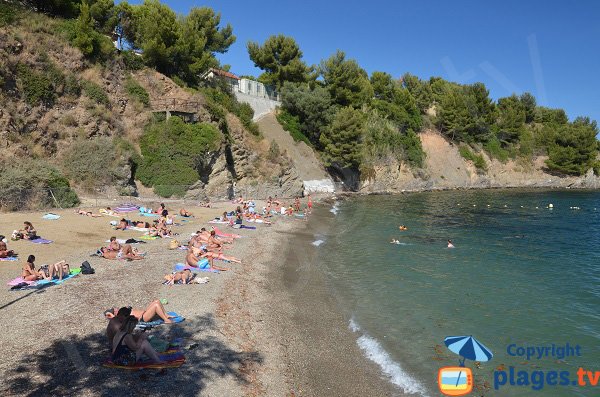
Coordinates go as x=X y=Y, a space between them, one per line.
x=549 y=48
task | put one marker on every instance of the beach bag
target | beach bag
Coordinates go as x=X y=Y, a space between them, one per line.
x=174 y=244
x=86 y=268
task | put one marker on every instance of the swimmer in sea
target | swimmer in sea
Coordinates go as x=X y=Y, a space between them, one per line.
x=450 y=245
x=394 y=241
x=402 y=227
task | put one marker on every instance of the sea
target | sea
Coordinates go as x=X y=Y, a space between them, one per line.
x=523 y=276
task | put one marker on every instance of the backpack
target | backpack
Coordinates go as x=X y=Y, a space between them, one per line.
x=86 y=268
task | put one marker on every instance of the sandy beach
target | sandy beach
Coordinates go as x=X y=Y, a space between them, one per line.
x=251 y=331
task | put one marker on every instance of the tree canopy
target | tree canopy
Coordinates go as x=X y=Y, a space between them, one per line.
x=281 y=59
x=347 y=82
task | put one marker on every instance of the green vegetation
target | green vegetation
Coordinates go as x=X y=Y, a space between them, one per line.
x=292 y=125
x=281 y=59
x=37 y=186
x=98 y=162
x=174 y=153
x=95 y=93
x=136 y=91
x=477 y=159
x=8 y=14
x=37 y=87
x=220 y=99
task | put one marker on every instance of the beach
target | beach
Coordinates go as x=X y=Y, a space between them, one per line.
x=250 y=331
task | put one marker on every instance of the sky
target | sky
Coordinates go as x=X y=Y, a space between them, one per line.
x=549 y=48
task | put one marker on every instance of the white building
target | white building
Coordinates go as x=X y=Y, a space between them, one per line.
x=243 y=85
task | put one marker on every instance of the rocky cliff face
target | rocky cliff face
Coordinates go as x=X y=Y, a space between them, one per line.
x=446 y=169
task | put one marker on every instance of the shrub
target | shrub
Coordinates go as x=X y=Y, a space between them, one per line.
x=292 y=125
x=137 y=92
x=173 y=154
x=132 y=61
x=38 y=186
x=36 y=86
x=96 y=162
x=495 y=149
x=245 y=113
x=8 y=14
x=413 y=150
x=96 y=93
x=72 y=86
x=477 y=159
x=274 y=151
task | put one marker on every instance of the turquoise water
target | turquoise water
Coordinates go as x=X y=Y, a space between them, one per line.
x=518 y=275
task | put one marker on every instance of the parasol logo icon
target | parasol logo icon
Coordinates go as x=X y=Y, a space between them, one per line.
x=458 y=381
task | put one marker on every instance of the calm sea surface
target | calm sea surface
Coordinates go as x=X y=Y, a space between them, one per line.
x=520 y=274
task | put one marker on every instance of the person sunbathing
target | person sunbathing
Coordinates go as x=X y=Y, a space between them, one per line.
x=126 y=252
x=185 y=213
x=217 y=255
x=4 y=251
x=194 y=256
x=29 y=273
x=59 y=269
x=28 y=232
x=122 y=225
x=114 y=244
x=127 y=350
x=79 y=211
x=182 y=277
x=153 y=311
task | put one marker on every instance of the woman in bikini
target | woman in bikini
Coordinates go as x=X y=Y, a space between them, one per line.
x=154 y=310
x=29 y=273
x=127 y=350
x=183 y=212
x=60 y=269
x=79 y=211
x=29 y=232
x=4 y=251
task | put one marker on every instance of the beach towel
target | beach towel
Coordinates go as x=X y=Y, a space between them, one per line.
x=172 y=358
x=126 y=207
x=40 y=240
x=139 y=229
x=220 y=233
x=238 y=226
x=149 y=237
x=218 y=221
x=204 y=267
x=149 y=324
x=126 y=241
x=149 y=215
x=9 y=259
x=51 y=216
x=37 y=284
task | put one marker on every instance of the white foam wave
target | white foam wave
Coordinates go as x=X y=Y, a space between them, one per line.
x=316 y=243
x=373 y=350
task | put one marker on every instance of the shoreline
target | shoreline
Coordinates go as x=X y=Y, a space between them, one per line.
x=307 y=326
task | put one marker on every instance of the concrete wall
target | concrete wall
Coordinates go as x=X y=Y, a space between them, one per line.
x=261 y=106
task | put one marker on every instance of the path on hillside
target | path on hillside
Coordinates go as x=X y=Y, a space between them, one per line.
x=303 y=157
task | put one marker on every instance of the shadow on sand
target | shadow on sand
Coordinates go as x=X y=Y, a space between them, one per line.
x=71 y=366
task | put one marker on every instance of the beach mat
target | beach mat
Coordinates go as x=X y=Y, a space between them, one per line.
x=149 y=215
x=9 y=259
x=37 y=284
x=149 y=237
x=51 y=216
x=150 y=324
x=172 y=358
x=126 y=207
x=41 y=241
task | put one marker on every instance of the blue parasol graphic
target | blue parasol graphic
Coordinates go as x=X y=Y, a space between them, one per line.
x=468 y=348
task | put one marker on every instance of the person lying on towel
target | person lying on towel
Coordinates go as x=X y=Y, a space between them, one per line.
x=182 y=277
x=154 y=311
x=4 y=251
x=126 y=252
x=127 y=349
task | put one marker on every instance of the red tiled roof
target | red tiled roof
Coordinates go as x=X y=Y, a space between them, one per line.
x=224 y=73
